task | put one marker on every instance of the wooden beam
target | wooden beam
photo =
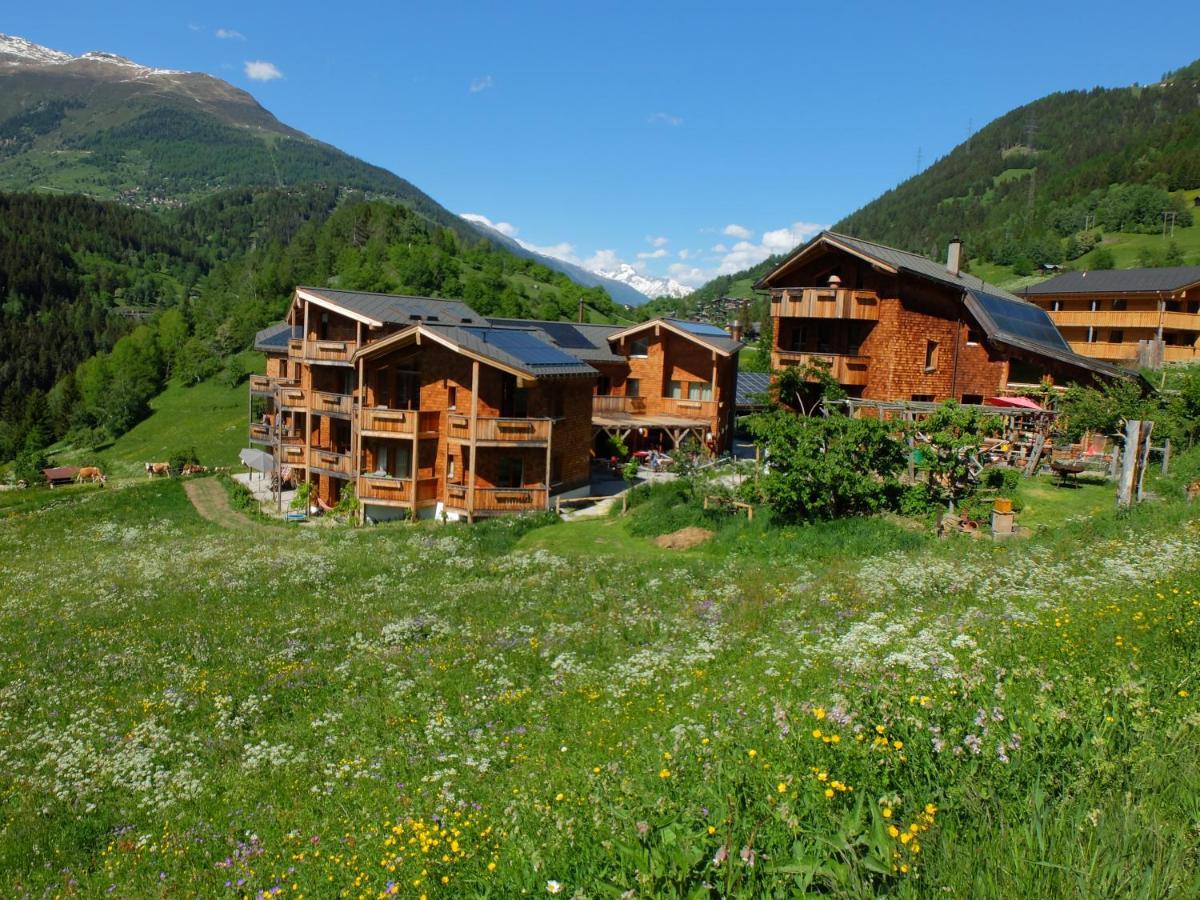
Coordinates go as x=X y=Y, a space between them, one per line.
x=474 y=425
x=549 y=439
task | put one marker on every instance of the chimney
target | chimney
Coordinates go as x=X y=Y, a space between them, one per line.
x=954 y=256
x=579 y=313
x=735 y=330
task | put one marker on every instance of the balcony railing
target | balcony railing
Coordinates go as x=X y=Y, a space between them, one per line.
x=499 y=430
x=497 y=499
x=261 y=384
x=385 y=489
x=844 y=368
x=628 y=405
x=261 y=433
x=330 y=404
x=1124 y=318
x=329 y=461
x=1127 y=351
x=293 y=398
x=690 y=409
x=392 y=422
x=295 y=348
x=825 y=303
x=328 y=351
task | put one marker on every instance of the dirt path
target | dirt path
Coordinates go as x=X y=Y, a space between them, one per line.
x=211 y=501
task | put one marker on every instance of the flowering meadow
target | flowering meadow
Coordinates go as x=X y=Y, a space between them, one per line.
x=851 y=708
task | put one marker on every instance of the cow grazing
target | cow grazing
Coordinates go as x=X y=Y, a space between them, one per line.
x=194 y=469
x=92 y=474
x=153 y=469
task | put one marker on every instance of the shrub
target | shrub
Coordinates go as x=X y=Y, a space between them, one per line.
x=180 y=458
x=822 y=468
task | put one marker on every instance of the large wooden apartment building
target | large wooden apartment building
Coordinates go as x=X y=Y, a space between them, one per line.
x=1132 y=317
x=891 y=325
x=425 y=406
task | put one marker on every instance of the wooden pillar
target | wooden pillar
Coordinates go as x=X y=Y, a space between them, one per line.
x=1144 y=457
x=1166 y=455
x=474 y=424
x=304 y=342
x=549 y=438
x=1129 y=458
x=356 y=437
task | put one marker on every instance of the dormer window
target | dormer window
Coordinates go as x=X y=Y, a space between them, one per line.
x=640 y=348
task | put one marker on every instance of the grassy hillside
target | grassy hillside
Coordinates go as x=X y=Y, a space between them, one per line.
x=857 y=708
x=210 y=417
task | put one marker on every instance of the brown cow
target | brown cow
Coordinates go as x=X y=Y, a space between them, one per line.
x=92 y=474
x=194 y=469
x=153 y=469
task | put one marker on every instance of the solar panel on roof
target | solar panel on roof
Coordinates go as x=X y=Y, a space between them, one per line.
x=566 y=335
x=701 y=328
x=523 y=345
x=1023 y=320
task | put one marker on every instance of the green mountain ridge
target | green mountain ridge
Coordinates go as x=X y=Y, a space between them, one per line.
x=1046 y=183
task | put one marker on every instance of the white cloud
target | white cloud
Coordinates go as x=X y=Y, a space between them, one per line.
x=603 y=259
x=719 y=248
x=737 y=231
x=684 y=254
x=781 y=240
x=692 y=276
x=193 y=27
x=260 y=70
x=658 y=241
x=505 y=228
x=653 y=254
x=228 y=34
x=662 y=118
x=482 y=84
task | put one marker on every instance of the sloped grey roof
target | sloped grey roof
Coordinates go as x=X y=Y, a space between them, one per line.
x=398 y=309
x=1115 y=281
x=583 y=340
x=274 y=338
x=523 y=349
x=749 y=384
x=712 y=335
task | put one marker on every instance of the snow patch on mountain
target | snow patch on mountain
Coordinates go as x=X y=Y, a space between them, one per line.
x=15 y=51
x=645 y=284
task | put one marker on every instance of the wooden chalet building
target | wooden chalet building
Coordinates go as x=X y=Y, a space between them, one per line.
x=425 y=406
x=1132 y=317
x=894 y=326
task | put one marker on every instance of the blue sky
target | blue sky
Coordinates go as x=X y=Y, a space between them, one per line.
x=686 y=139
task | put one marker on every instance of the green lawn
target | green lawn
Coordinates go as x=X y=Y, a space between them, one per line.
x=855 y=707
x=210 y=417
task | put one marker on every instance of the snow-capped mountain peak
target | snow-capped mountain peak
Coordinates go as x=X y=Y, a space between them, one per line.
x=645 y=284
x=16 y=51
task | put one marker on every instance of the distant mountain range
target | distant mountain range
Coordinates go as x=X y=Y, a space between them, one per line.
x=625 y=285
x=105 y=126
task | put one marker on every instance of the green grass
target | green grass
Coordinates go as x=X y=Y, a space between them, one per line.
x=210 y=416
x=309 y=710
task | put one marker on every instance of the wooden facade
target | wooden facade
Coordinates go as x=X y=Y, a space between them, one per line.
x=1139 y=317
x=439 y=409
x=892 y=326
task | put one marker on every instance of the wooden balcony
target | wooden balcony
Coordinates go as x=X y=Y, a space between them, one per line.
x=328 y=404
x=385 y=490
x=293 y=398
x=331 y=463
x=292 y=454
x=328 y=351
x=261 y=433
x=496 y=500
x=825 y=303
x=495 y=431
x=399 y=423
x=1125 y=352
x=634 y=406
x=690 y=409
x=295 y=348
x=1123 y=318
x=844 y=368
x=261 y=384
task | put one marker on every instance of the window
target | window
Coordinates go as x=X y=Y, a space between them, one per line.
x=603 y=386
x=512 y=472
x=633 y=387
x=676 y=391
x=699 y=390
x=931 y=355
x=824 y=341
x=799 y=338
x=974 y=337
x=1056 y=305
x=452 y=397
x=640 y=347
x=1116 y=335
x=922 y=398
x=1119 y=304
x=972 y=399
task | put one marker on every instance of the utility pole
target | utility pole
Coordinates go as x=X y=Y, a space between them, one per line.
x=1168 y=216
